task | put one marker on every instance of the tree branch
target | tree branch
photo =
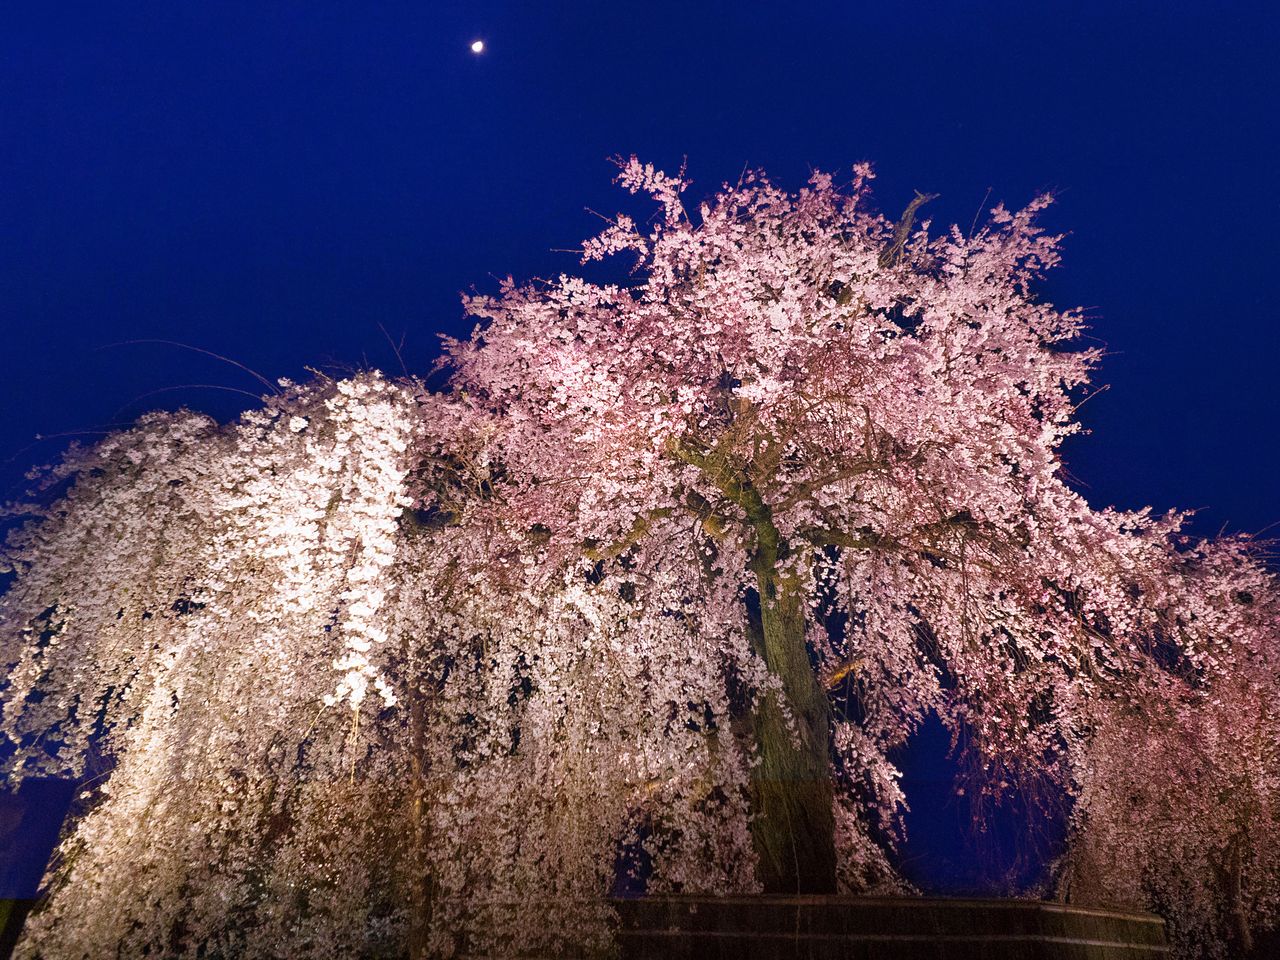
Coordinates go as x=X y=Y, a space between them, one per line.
x=893 y=252
x=639 y=528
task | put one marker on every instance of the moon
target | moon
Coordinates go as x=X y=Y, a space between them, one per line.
x=477 y=46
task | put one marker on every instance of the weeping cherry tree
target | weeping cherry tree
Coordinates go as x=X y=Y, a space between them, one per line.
x=654 y=584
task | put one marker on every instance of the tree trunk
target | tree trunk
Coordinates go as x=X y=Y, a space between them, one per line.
x=1239 y=910
x=420 y=880
x=793 y=825
x=792 y=822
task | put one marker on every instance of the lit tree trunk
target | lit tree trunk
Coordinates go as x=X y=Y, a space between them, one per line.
x=1239 y=910
x=793 y=823
x=420 y=879
x=793 y=827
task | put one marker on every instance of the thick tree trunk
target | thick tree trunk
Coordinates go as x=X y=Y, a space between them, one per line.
x=1239 y=910
x=420 y=879
x=793 y=825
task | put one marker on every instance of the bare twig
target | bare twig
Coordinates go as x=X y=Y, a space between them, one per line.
x=893 y=252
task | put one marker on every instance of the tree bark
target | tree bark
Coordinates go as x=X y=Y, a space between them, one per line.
x=420 y=879
x=1239 y=910
x=793 y=824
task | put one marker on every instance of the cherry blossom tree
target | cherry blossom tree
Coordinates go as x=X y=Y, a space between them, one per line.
x=1178 y=807
x=850 y=431
x=656 y=583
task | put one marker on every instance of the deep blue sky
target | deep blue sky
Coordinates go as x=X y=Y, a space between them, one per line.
x=273 y=181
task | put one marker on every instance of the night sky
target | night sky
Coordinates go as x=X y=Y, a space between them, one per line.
x=278 y=183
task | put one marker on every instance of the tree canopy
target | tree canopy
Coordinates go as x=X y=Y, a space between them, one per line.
x=657 y=581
